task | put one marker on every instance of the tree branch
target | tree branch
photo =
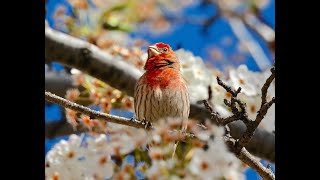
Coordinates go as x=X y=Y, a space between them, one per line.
x=252 y=125
x=228 y=89
x=68 y=50
x=266 y=85
x=253 y=20
x=241 y=32
x=58 y=83
x=238 y=147
x=100 y=116
x=90 y=59
x=243 y=154
x=239 y=24
x=247 y=158
x=262 y=29
x=61 y=128
x=95 y=114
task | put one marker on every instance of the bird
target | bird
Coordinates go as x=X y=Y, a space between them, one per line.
x=161 y=92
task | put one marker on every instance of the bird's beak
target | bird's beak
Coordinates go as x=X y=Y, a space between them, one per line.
x=152 y=51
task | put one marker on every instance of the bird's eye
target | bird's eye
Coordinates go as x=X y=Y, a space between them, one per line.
x=165 y=49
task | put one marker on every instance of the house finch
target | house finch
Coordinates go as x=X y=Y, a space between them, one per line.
x=161 y=91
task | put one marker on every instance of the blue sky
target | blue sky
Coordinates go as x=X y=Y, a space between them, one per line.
x=191 y=37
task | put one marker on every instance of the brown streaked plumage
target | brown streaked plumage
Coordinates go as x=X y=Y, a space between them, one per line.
x=161 y=91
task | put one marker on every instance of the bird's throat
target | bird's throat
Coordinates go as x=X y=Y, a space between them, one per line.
x=162 y=77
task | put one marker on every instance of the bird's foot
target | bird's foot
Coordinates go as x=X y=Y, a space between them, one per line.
x=133 y=119
x=146 y=123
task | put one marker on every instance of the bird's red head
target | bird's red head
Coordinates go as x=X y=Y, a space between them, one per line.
x=161 y=56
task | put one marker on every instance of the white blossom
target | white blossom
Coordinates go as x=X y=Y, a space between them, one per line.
x=251 y=84
x=215 y=161
x=74 y=159
x=196 y=74
x=268 y=122
x=159 y=168
x=248 y=81
x=124 y=139
x=199 y=77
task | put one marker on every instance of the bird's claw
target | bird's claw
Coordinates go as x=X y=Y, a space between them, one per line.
x=133 y=119
x=146 y=123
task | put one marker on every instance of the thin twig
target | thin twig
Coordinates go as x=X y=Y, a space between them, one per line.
x=252 y=126
x=266 y=85
x=209 y=93
x=244 y=155
x=228 y=88
x=247 y=158
x=240 y=23
x=216 y=116
x=229 y=120
x=240 y=113
x=103 y=116
x=242 y=33
x=95 y=114
x=208 y=22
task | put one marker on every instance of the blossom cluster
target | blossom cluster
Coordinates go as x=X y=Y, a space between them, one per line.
x=96 y=94
x=199 y=77
x=106 y=155
x=79 y=158
x=89 y=17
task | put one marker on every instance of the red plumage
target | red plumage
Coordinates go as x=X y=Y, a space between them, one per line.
x=161 y=91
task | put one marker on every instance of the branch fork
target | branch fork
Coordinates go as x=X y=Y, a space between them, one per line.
x=238 y=108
